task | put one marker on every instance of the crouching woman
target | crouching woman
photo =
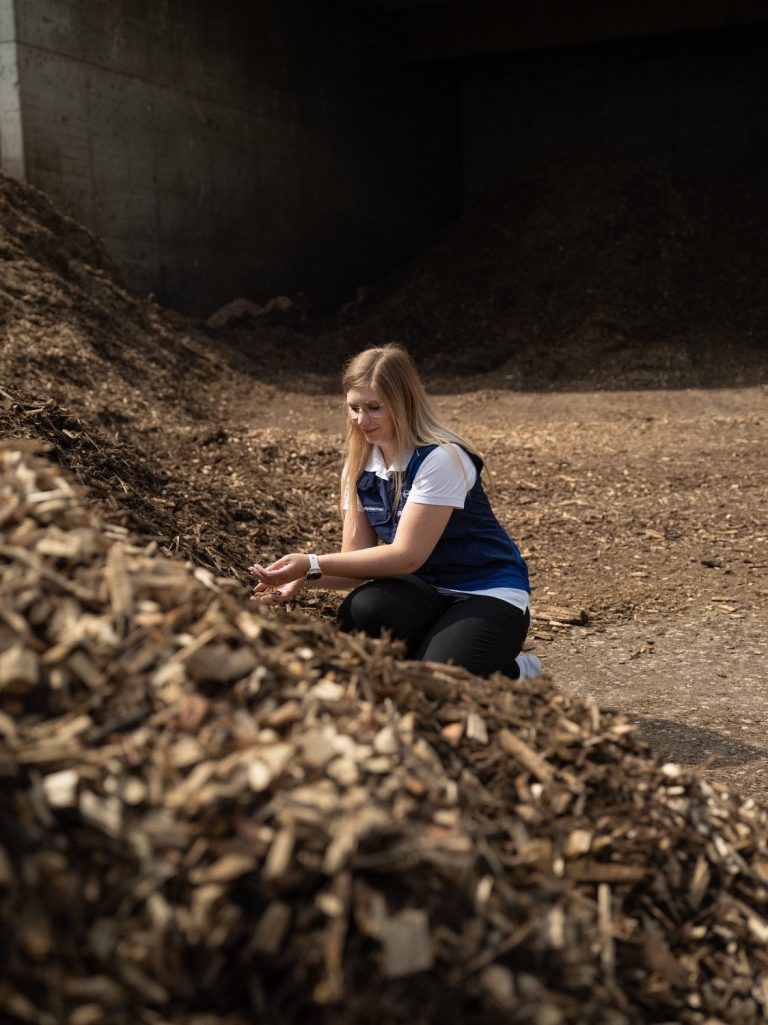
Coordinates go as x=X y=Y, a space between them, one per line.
x=422 y=552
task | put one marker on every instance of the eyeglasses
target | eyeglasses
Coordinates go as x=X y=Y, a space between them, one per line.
x=372 y=409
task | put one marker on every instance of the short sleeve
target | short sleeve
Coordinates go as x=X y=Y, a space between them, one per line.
x=444 y=478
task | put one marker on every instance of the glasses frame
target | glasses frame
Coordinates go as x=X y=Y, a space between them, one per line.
x=355 y=409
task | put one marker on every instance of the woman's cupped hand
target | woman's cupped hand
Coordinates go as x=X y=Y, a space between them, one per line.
x=281 y=580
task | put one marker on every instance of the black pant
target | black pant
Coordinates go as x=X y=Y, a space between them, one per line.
x=480 y=633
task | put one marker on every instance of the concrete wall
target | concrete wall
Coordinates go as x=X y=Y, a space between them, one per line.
x=692 y=105
x=11 y=134
x=256 y=147
x=246 y=147
x=432 y=30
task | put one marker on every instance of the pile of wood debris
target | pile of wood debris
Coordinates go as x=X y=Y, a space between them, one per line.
x=213 y=814
x=72 y=333
x=594 y=273
x=134 y=399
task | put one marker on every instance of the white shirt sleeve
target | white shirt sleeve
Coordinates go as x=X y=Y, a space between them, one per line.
x=444 y=478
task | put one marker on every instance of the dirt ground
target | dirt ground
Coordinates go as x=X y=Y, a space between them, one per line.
x=645 y=510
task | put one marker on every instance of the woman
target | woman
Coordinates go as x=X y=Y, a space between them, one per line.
x=422 y=551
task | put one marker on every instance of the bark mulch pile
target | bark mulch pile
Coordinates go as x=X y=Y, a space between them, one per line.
x=599 y=273
x=131 y=397
x=217 y=815
x=71 y=332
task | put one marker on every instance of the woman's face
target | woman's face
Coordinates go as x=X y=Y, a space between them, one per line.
x=369 y=414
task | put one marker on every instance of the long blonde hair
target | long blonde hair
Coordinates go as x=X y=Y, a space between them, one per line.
x=390 y=372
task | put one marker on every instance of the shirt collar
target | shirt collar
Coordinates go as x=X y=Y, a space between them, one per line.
x=376 y=463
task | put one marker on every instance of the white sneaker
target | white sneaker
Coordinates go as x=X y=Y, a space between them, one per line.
x=529 y=666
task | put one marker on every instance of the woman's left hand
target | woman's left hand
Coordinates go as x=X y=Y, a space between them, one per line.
x=290 y=567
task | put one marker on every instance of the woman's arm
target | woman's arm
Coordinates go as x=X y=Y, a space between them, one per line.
x=357 y=534
x=419 y=530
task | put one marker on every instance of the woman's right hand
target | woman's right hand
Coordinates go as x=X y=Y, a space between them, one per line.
x=267 y=595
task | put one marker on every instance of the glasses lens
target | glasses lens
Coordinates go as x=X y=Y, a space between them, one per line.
x=357 y=411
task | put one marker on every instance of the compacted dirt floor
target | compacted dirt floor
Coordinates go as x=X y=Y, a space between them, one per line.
x=643 y=518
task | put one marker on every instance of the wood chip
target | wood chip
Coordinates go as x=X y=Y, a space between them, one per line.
x=527 y=757
x=407 y=944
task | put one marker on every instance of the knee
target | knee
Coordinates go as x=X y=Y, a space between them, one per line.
x=365 y=609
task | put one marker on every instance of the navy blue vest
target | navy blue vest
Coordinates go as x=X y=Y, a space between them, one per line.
x=474 y=551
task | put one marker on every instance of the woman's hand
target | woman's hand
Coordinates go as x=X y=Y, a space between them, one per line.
x=268 y=595
x=290 y=568
x=281 y=581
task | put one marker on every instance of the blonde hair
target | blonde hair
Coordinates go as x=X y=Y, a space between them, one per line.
x=390 y=372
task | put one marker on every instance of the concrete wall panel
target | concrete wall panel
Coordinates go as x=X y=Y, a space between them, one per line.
x=228 y=149
x=632 y=118
x=7 y=21
x=690 y=107
x=713 y=115
x=105 y=33
x=12 y=152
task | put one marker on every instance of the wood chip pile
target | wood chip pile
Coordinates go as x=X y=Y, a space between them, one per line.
x=70 y=331
x=590 y=273
x=212 y=814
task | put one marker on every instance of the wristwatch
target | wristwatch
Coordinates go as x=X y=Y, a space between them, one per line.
x=314 y=572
